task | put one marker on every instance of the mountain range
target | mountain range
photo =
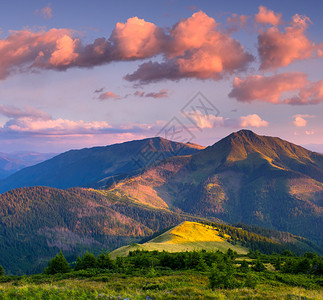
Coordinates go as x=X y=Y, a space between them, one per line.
x=242 y=178
x=95 y=166
x=13 y=162
x=118 y=194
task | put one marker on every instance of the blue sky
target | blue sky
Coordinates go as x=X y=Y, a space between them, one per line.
x=56 y=94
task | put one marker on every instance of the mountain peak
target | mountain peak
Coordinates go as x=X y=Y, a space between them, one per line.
x=245 y=133
x=86 y=167
x=245 y=144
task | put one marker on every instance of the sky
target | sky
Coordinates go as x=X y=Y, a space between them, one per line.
x=76 y=74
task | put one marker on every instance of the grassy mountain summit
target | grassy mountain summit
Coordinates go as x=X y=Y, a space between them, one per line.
x=86 y=167
x=187 y=236
x=208 y=236
x=244 y=178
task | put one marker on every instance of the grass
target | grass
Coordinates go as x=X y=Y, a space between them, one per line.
x=165 y=285
x=188 y=236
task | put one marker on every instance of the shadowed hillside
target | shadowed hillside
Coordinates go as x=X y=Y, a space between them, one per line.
x=37 y=222
x=88 y=166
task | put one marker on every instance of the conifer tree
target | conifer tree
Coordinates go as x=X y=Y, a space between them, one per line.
x=88 y=261
x=58 y=264
x=2 y=271
x=104 y=261
x=259 y=266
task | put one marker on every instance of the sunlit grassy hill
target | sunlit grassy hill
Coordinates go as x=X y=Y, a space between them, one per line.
x=188 y=236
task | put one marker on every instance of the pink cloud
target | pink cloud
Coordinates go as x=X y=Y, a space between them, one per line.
x=161 y=94
x=320 y=50
x=206 y=121
x=300 y=120
x=252 y=121
x=312 y=93
x=194 y=47
x=202 y=51
x=196 y=50
x=46 y=12
x=11 y=111
x=42 y=49
x=192 y=7
x=109 y=95
x=272 y=88
x=280 y=48
x=65 y=52
x=31 y=122
x=268 y=89
x=57 y=126
x=237 y=22
x=309 y=132
x=192 y=33
x=137 y=39
x=267 y=16
x=60 y=49
x=211 y=121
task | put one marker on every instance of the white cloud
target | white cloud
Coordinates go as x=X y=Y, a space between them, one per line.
x=252 y=121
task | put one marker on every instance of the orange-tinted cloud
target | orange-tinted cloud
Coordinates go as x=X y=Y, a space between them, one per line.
x=202 y=51
x=56 y=126
x=312 y=93
x=299 y=121
x=237 y=22
x=23 y=49
x=272 y=89
x=197 y=49
x=193 y=33
x=46 y=12
x=252 y=120
x=28 y=112
x=309 y=132
x=267 y=16
x=206 y=121
x=278 y=48
x=64 y=53
x=161 y=94
x=35 y=121
x=137 y=39
x=211 y=121
x=31 y=122
x=60 y=49
x=108 y=95
x=268 y=89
